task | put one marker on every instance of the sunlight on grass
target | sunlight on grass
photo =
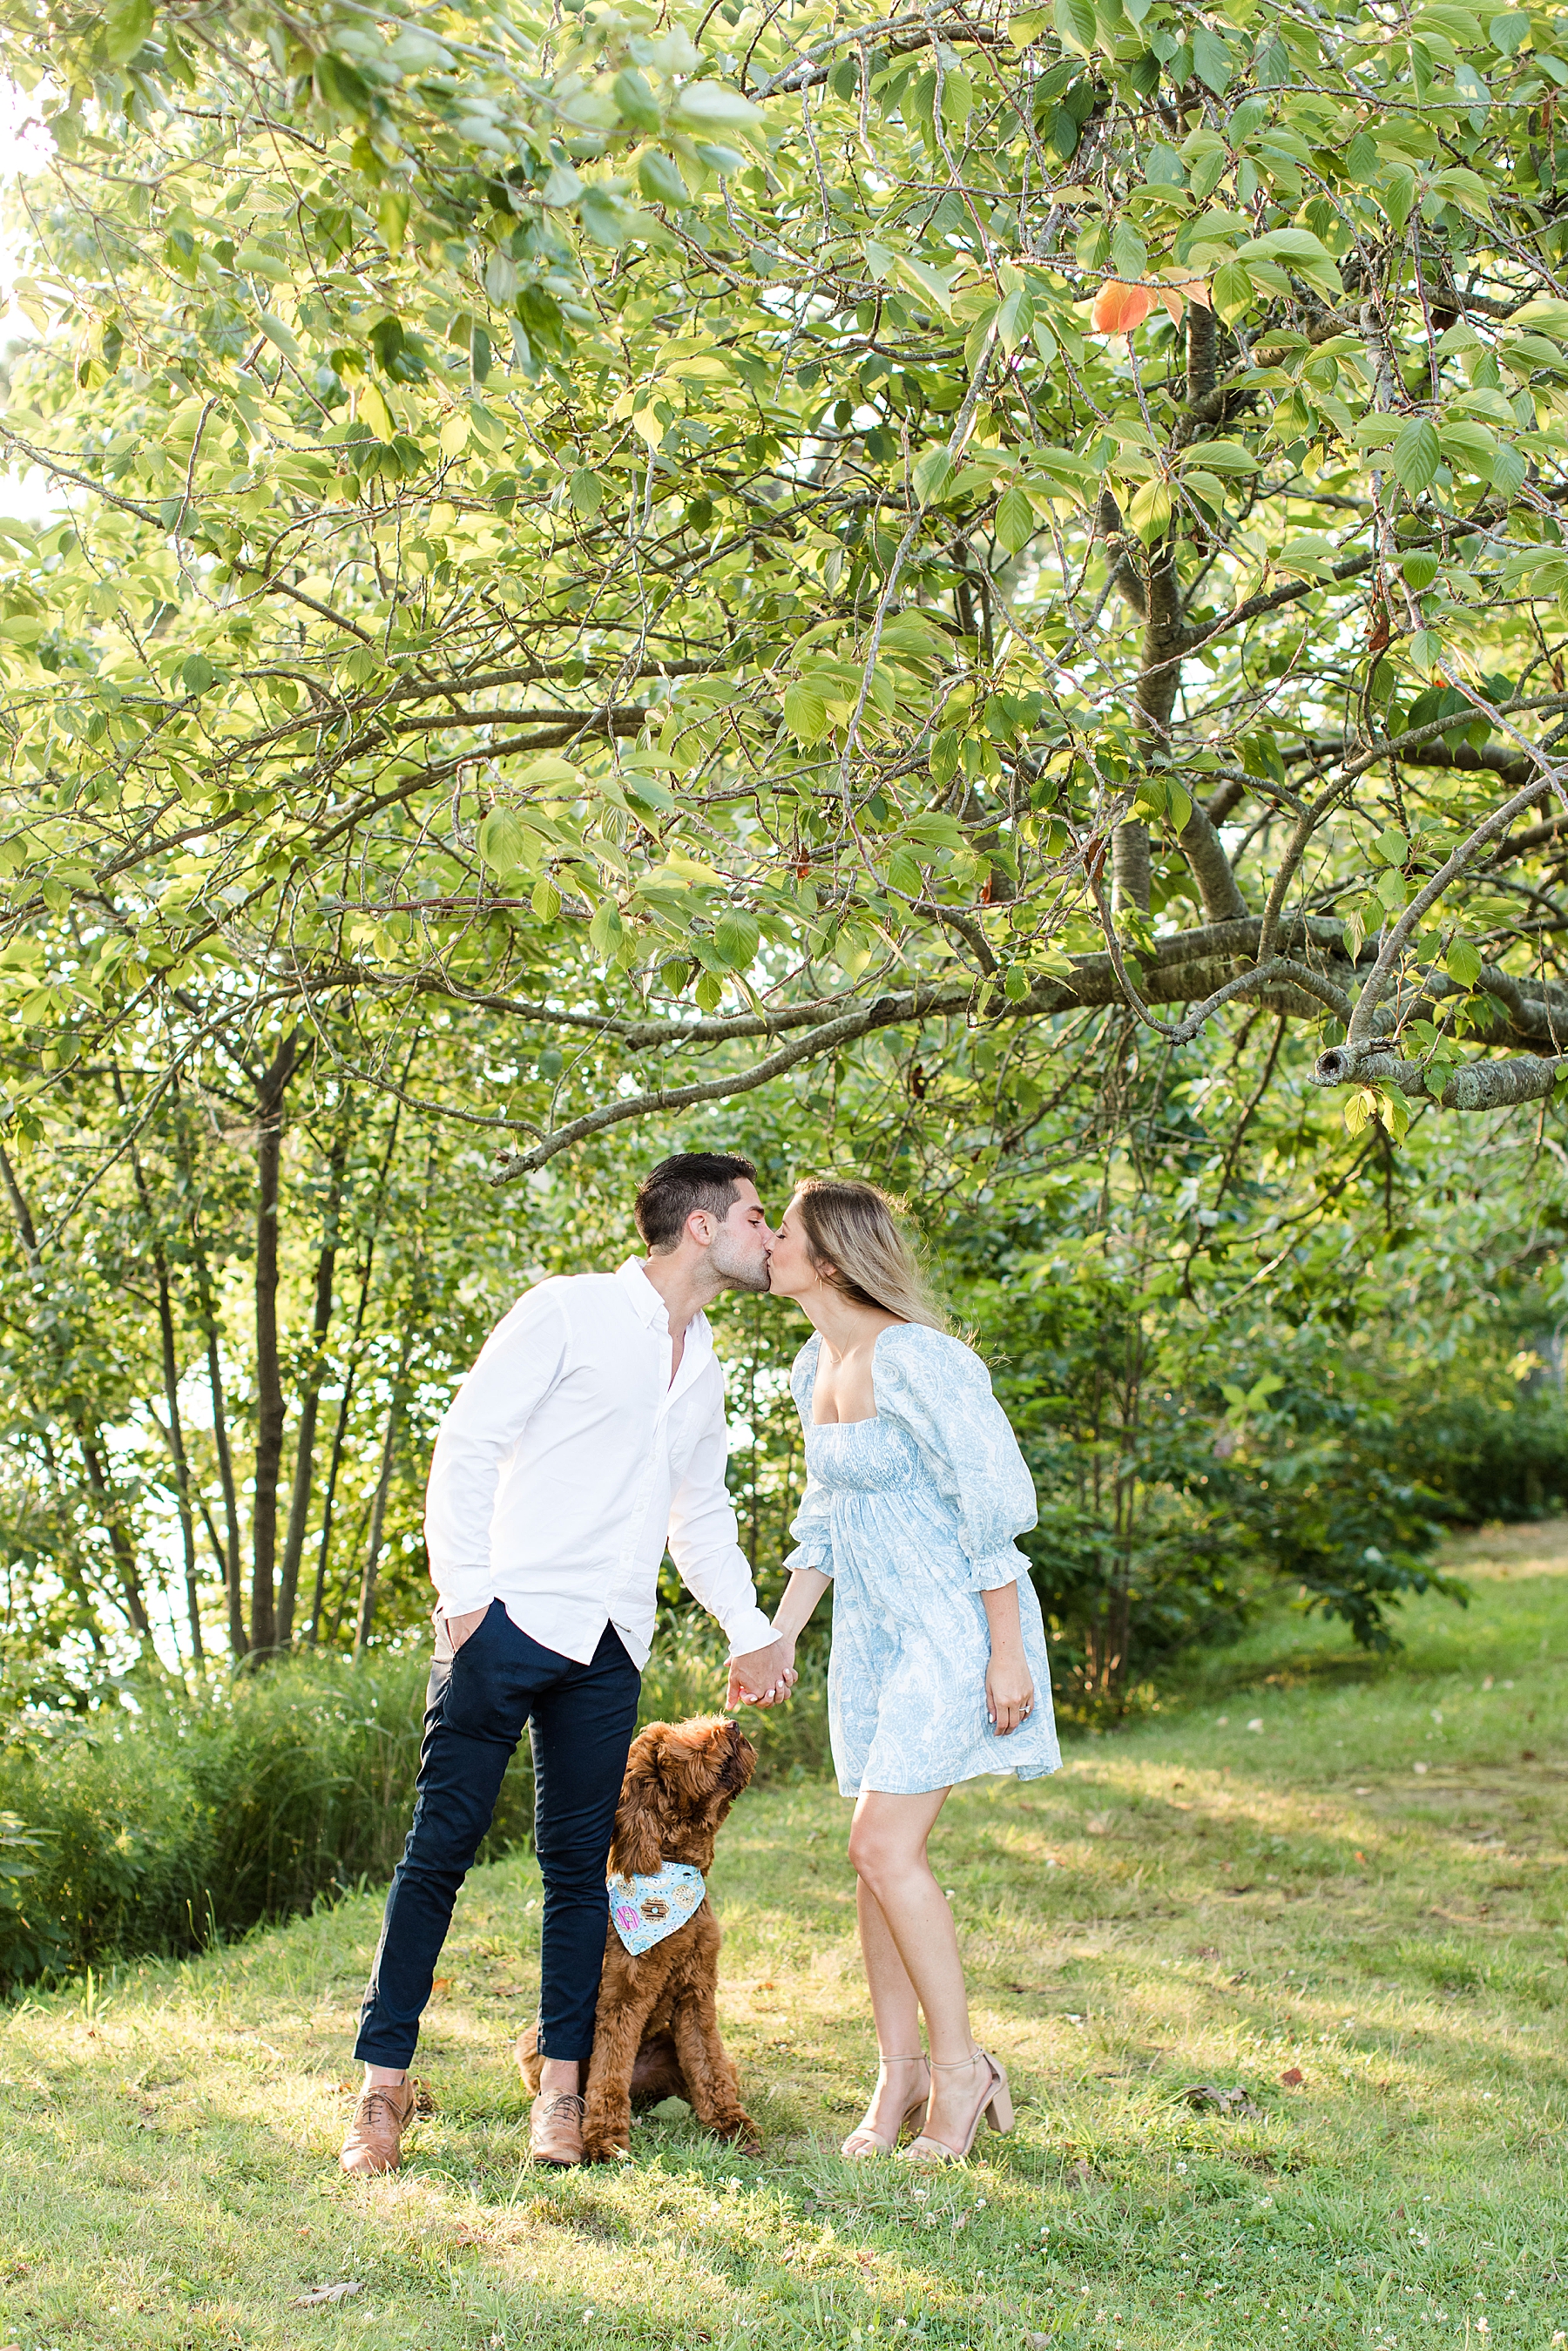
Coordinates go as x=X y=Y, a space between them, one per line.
x=1332 y=1884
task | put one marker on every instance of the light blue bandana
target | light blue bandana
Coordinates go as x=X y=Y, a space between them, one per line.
x=646 y=1909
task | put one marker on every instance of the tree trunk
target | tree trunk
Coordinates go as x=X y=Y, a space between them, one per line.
x=269 y=1406
x=305 y=1441
x=119 y=1541
x=378 y=1520
x=239 y=1644
x=92 y=1453
x=173 y=1434
x=176 y=1440
x=330 y=1498
x=340 y=1434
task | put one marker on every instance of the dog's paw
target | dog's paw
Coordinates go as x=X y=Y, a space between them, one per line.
x=742 y=2133
x=604 y=2150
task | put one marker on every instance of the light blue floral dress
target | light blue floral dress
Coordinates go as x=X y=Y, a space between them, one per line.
x=913 y=1514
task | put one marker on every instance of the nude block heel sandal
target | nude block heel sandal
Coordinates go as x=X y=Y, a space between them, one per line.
x=996 y=2107
x=875 y=2143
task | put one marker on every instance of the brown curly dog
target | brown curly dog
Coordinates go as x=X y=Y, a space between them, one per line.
x=655 y=2029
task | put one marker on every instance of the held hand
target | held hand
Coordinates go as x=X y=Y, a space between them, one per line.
x=762 y=1676
x=1009 y=1690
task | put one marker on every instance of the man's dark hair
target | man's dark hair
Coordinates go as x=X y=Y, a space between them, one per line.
x=692 y=1179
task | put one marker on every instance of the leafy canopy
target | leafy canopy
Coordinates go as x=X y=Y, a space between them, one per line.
x=671 y=545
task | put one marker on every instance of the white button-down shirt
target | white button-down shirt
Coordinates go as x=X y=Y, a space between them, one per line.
x=568 y=1459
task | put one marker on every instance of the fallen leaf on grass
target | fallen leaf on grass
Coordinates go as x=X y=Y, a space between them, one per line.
x=1233 y=2101
x=323 y=2294
x=1292 y=2077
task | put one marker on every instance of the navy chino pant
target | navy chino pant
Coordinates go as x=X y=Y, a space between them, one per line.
x=581 y=1720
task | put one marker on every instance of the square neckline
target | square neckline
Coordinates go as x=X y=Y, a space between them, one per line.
x=873 y=1418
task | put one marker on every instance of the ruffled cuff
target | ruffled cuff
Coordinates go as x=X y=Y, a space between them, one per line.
x=995 y=1568
x=816 y=1553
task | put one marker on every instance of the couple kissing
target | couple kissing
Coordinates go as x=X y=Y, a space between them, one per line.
x=591 y=1434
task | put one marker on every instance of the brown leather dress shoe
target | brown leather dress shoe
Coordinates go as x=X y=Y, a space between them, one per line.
x=555 y=2130
x=382 y=2114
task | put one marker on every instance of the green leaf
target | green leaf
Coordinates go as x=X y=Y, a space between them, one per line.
x=1416 y=456
x=933 y=471
x=1212 y=60
x=550 y=772
x=1231 y=290
x=933 y=283
x=659 y=177
x=636 y=101
x=1150 y=511
x=1129 y=254
x=1465 y=189
x=607 y=220
x=1075 y=22
x=805 y=712
x=1015 y=521
x=197 y=673
x=604 y=930
x=279 y=334
x=503 y=843
x=1224 y=457
x=562 y=187
x=1463 y=963
x=544 y=899
x=1307 y=254
x=1393 y=1111
x=585 y=492
x=391 y=217
x=903 y=872
x=1420 y=570
x=126 y=25
x=710 y=106
x=1015 y=320
x=736 y=937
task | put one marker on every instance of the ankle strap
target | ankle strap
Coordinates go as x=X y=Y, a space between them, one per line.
x=951 y=2064
x=919 y=2058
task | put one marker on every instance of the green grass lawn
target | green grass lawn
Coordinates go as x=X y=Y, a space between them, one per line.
x=1332 y=1884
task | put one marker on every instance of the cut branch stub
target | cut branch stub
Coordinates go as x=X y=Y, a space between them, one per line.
x=1475 y=1085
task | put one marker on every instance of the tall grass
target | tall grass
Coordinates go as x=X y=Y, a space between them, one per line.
x=191 y=1819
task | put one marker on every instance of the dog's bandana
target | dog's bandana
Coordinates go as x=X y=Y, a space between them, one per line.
x=646 y=1909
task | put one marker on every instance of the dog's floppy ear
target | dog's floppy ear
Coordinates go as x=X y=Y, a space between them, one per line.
x=638 y=1850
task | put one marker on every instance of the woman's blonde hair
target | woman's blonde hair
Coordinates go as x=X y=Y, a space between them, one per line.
x=852 y=1228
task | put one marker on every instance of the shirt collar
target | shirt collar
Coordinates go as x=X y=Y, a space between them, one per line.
x=649 y=1308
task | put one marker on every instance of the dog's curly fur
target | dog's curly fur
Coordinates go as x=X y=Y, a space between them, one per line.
x=656 y=2031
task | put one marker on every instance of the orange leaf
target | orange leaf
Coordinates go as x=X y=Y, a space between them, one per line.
x=1182 y=290
x=1118 y=309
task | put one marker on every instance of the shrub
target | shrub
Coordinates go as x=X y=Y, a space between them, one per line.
x=172 y=1824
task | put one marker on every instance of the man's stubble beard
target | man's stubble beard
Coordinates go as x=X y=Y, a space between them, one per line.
x=738 y=1272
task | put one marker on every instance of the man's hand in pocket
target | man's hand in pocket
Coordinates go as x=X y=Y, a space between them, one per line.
x=459 y=1627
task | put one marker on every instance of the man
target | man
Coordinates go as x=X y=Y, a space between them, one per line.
x=591 y=1430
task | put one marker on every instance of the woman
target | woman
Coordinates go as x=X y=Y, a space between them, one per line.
x=915 y=1489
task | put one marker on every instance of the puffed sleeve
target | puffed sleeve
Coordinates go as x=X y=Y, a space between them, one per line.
x=940 y=1392
x=813 y=1524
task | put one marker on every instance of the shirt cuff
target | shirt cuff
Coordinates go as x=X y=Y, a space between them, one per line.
x=459 y=1590
x=748 y=1630
x=816 y=1553
x=995 y=1568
